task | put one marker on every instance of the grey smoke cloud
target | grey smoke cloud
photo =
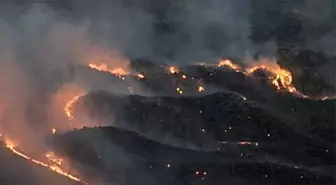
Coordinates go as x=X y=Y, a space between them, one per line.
x=46 y=37
x=320 y=25
x=188 y=30
x=320 y=31
x=211 y=29
x=39 y=41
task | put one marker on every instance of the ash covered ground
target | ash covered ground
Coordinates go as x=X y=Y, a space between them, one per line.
x=215 y=92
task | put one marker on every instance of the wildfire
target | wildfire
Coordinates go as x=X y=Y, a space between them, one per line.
x=120 y=72
x=282 y=79
x=53 y=167
x=201 y=89
x=140 y=76
x=228 y=63
x=54 y=158
x=173 y=70
x=68 y=106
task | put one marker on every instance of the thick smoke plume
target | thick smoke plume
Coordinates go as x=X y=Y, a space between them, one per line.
x=41 y=41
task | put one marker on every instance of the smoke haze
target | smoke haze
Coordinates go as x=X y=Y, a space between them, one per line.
x=40 y=42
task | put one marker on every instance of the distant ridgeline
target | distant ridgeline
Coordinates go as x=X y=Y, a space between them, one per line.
x=295 y=25
x=294 y=28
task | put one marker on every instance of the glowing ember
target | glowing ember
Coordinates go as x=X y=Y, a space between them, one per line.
x=248 y=143
x=201 y=89
x=68 y=106
x=324 y=98
x=140 y=76
x=179 y=90
x=173 y=70
x=242 y=143
x=120 y=72
x=11 y=146
x=327 y=98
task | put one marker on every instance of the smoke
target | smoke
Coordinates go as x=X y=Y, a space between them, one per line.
x=178 y=31
x=38 y=47
x=320 y=30
x=321 y=25
x=25 y=66
x=209 y=29
x=40 y=42
x=175 y=31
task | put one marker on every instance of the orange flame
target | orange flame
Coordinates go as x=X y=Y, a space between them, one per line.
x=62 y=106
x=12 y=147
x=103 y=59
x=201 y=89
x=173 y=70
x=54 y=158
x=67 y=108
x=228 y=63
x=120 y=72
x=282 y=79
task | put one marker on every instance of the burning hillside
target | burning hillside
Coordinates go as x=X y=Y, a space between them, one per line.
x=238 y=94
x=55 y=163
x=167 y=116
x=103 y=67
x=187 y=80
x=116 y=96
